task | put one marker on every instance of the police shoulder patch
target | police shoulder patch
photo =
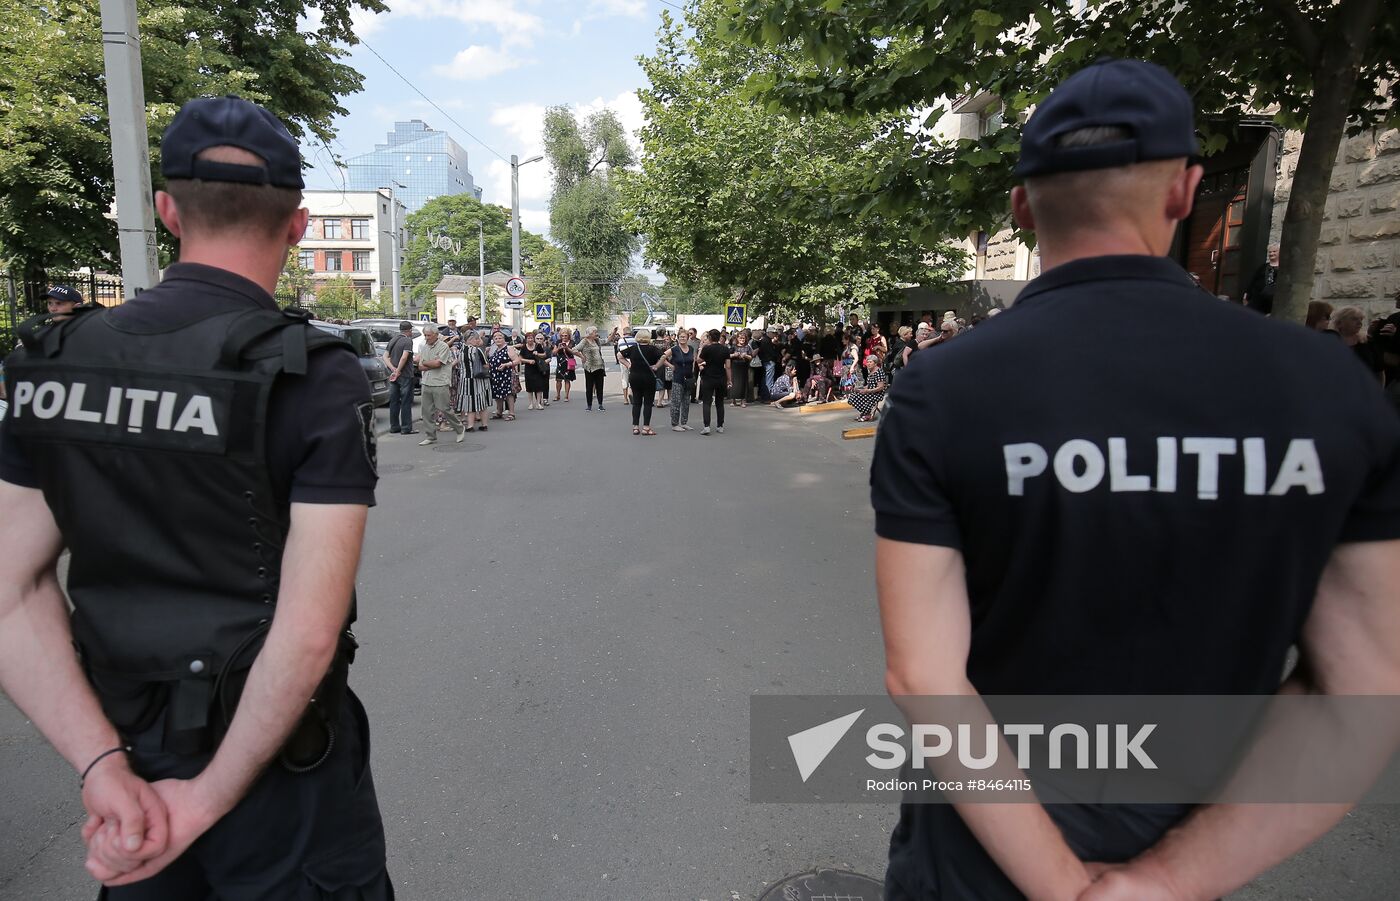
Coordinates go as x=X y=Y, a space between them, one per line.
x=364 y=415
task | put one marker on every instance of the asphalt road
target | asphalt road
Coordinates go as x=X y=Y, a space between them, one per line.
x=561 y=625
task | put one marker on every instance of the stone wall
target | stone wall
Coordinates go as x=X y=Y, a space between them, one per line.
x=1001 y=256
x=1358 y=260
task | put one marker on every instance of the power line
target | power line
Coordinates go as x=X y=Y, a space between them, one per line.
x=432 y=103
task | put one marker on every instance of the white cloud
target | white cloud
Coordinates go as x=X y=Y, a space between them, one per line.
x=633 y=8
x=478 y=62
x=536 y=221
x=515 y=26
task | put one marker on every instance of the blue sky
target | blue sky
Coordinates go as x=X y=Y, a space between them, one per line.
x=494 y=65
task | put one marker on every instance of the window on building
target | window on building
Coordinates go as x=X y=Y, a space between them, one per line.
x=983 y=241
x=990 y=119
x=333 y=261
x=359 y=229
x=361 y=260
x=310 y=228
x=306 y=259
x=332 y=228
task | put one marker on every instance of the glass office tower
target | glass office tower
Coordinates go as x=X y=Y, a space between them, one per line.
x=427 y=162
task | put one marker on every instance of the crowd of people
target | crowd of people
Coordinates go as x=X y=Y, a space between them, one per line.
x=852 y=361
x=473 y=374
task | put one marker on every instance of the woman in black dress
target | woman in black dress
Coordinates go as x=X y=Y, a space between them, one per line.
x=536 y=369
x=641 y=360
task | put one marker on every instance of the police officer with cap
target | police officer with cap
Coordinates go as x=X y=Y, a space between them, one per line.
x=209 y=461
x=62 y=300
x=1115 y=513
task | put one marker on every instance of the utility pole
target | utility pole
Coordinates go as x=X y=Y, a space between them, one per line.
x=515 y=165
x=481 y=279
x=394 y=224
x=131 y=158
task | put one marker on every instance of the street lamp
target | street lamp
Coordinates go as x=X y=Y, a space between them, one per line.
x=515 y=164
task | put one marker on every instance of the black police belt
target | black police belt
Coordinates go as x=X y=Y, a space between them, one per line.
x=199 y=700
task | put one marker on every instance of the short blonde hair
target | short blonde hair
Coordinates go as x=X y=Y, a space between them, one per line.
x=1344 y=313
x=905 y=331
x=643 y=336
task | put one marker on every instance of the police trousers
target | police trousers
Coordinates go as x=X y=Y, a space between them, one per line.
x=313 y=836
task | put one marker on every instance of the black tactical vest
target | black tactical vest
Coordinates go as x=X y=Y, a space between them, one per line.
x=150 y=450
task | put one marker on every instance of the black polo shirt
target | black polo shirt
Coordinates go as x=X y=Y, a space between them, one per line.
x=1145 y=483
x=316 y=443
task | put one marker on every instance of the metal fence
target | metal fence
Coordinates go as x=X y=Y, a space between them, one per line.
x=24 y=297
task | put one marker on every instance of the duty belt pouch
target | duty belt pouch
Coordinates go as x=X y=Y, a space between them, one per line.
x=314 y=737
x=187 y=730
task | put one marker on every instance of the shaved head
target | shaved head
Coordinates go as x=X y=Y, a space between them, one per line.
x=1074 y=201
x=224 y=207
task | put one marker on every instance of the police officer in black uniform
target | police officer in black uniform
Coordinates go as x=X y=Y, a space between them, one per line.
x=62 y=300
x=209 y=461
x=1114 y=512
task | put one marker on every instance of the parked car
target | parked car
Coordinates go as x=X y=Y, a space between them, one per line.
x=382 y=331
x=371 y=360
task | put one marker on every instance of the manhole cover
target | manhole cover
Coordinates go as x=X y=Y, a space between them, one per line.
x=826 y=885
x=389 y=469
x=455 y=448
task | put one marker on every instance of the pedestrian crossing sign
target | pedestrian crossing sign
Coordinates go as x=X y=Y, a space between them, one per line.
x=544 y=313
x=736 y=315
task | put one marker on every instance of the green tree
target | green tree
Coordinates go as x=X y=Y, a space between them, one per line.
x=295 y=283
x=443 y=240
x=1321 y=67
x=56 y=183
x=338 y=298
x=738 y=198
x=682 y=299
x=586 y=216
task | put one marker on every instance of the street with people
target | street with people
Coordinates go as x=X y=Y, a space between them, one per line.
x=896 y=453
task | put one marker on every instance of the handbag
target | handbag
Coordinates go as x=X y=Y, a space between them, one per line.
x=479 y=365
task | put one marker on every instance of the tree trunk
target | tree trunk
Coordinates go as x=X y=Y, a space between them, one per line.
x=34 y=282
x=1334 y=81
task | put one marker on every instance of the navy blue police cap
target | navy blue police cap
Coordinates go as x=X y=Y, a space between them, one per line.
x=64 y=293
x=1140 y=97
x=230 y=121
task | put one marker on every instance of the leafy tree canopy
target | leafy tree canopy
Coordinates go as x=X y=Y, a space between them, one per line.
x=739 y=197
x=1316 y=65
x=455 y=217
x=56 y=183
x=586 y=216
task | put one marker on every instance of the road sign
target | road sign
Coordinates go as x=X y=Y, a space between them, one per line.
x=544 y=313
x=515 y=303
x=424 y=317
x=736 y=315
x=515 y=286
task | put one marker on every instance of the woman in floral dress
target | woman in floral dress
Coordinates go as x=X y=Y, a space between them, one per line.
x=868 y=393
x=503 y=361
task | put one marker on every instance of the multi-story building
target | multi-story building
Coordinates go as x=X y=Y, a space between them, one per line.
x=350 y=234
x=420 y=162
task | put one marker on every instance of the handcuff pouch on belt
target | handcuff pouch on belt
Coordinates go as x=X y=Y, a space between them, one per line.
x=200 y=702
